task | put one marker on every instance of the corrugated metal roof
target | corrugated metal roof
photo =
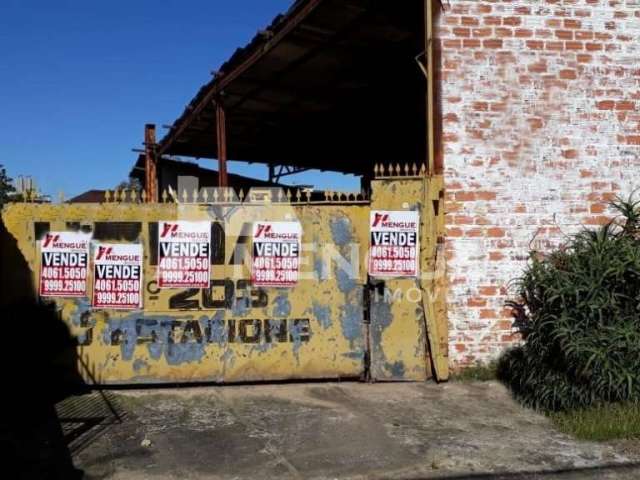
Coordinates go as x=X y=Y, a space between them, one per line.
x=330 y=84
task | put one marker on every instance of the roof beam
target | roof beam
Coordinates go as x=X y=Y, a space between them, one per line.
x=341 y=34
x=219 y=85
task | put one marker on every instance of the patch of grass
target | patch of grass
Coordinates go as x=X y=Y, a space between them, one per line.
x=620 y=421
x=480 y=372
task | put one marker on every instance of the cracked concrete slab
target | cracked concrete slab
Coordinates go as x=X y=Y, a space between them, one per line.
x=347 y=431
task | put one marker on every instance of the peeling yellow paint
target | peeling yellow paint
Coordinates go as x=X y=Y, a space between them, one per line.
x=316 y=329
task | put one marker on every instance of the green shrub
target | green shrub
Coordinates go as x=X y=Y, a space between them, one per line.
x=578 y=310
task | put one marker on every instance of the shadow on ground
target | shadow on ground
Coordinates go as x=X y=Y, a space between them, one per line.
x=43 y=417
x=84 y=418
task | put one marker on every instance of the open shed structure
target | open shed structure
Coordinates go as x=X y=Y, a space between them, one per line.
x=336 y=85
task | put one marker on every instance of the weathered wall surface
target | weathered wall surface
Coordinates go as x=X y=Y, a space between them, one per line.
x=323 y=327
x=230 y=332
x=540 y=104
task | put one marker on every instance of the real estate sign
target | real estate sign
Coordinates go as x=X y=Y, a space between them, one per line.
x=394 y=246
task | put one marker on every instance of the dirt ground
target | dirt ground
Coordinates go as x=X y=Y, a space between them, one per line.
x=336 y=430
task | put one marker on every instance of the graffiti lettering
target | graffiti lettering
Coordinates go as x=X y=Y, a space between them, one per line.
x=184 y=300
x=152 y=287
x=221 y=294
x=246 y=331
x=87 y=337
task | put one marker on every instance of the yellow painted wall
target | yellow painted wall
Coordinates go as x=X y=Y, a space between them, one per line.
x=234 y=332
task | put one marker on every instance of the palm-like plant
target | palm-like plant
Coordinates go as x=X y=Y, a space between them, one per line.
x=579 y=312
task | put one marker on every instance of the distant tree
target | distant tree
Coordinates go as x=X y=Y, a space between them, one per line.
x=6 y=188
x=131 y=184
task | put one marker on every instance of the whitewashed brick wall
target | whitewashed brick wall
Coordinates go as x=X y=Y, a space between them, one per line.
x=541 y=127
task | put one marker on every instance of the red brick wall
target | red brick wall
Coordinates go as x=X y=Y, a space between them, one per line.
x=541 y=127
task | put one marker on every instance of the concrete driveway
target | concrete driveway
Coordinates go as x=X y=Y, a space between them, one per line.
x=339 y=430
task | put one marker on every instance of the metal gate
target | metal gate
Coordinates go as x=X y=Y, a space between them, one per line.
x=336 y=322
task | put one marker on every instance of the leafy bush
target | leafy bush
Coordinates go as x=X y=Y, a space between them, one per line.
x=579 y=313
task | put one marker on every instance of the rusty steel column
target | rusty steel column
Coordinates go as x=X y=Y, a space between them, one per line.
x=433 y=11
x=150 y=163
x=221 y=137
x=431 y=150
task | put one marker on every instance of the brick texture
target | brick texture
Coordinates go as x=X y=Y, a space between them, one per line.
x=541 y=120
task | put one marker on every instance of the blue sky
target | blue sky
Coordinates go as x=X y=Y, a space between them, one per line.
x=79 y=79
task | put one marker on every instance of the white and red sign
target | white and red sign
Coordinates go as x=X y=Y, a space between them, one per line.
x=394 y=248
x=276 y=254
x=117 y=276
x=64 y=264
x=184 y=254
